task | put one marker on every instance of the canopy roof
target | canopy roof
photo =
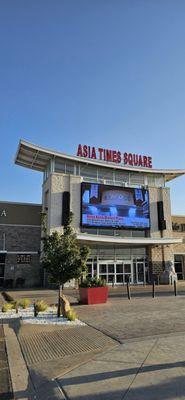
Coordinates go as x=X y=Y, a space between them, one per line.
x=89 y=239
x=36 y=157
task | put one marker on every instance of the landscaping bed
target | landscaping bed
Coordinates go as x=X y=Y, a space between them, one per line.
x=37 y=313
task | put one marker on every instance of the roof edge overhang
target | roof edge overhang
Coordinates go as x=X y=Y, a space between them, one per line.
x=35 y=157
x=128 y=241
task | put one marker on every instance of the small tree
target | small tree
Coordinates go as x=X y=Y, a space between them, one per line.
x=63 y=258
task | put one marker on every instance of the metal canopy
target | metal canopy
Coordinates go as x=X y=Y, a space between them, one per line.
x=35 y=157
x=127 y=241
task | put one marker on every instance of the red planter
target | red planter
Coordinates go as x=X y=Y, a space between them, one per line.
x=95 y=295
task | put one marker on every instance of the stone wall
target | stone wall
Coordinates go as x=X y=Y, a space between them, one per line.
x=56 y=185
x=160 y=255
x=22 y=239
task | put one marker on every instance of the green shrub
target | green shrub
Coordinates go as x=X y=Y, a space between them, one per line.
x=71 y=315
x=7 y=297
x=40 y=306
x=7 y=307
x=93 y=282
x=24 y=303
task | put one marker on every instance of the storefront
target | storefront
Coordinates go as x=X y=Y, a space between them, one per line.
x=121 y=208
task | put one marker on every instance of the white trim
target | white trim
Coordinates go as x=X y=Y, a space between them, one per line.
x=128 y=241
x=29 y=226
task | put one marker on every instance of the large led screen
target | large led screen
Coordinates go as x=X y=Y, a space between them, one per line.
x=114 y=207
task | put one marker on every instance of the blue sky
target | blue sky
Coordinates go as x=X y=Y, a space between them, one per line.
x=109 y=73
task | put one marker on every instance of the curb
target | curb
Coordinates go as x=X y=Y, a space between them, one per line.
x=22 y=385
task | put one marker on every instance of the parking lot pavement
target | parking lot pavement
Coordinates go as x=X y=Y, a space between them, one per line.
x=139 y=370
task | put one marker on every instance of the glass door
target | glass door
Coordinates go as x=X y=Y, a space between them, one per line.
x=128 y=272
x=123 y=272
x=119 y=278
x=139 y=271
x=116 y=272
x=179 y=266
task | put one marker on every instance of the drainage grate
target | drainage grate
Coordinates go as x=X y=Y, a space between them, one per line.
x=41 y=346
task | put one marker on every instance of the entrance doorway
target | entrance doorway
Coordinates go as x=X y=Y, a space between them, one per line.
x=139 y=271
x=179 y=263
x=115 y=272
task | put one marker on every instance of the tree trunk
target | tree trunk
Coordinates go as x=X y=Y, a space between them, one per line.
x=59 y=296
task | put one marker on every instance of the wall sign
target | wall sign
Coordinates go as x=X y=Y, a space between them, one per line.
x=3 y=213
x=116 y=156
x=23 y=258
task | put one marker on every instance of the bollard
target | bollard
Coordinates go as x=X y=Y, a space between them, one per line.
x=153 y=289
x=175 y=287
x=128 y=291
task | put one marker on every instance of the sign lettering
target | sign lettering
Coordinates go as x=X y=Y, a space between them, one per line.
x=115 y=156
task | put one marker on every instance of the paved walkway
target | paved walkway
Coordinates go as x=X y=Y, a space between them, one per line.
x=139 y=370
x=122 y=319
x=118 y=292
x=5 y=382
x=130 y=350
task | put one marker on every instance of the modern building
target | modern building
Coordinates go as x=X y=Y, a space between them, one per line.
x=121 y=208
x=20 y=234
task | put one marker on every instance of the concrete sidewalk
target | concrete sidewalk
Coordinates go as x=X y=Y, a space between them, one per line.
x=150 y=369
x=5 y=381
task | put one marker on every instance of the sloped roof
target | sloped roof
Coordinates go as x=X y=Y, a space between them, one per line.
x=36 y=157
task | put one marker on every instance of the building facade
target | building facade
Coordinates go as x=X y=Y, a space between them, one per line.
x=20 y=235
x=122 y=212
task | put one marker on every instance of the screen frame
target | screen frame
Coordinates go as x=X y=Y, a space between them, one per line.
x=123 y=227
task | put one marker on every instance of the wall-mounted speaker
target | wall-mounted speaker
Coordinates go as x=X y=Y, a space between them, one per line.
x=161 y=220
x=65 y=208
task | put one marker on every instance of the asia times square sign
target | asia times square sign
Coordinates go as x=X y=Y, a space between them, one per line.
x=115 y=156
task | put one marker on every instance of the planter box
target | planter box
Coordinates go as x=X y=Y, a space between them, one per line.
x=95 y=295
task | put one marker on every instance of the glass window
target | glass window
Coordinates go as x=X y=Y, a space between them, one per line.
x=137 y=178
x=119 y=268
x=110 y=278
x=105 y=174
x=119 y=278
x=110 y=268
x=59 y=166
x=88 y=171
x=121 y=177
x=127 y=268
x=102 y=268
x=69 y=167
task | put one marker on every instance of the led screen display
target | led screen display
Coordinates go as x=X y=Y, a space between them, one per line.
x=114 y=207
